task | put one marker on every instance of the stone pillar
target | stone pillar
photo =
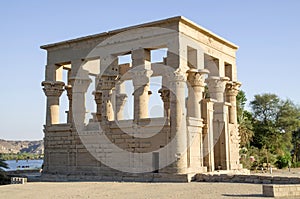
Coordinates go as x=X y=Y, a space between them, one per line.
x=80 y=86
x=232 y=89
x=50 y=72
x=121 y=100
x=165 y=96
x=178 y=119
x=196 y=85
x=216 y=88
x=98 y=99
x=140 y=79
x=121 y=97
x=106 y=84
x=53 y=91
x=208 y=142
x=141 y=74
x=68 y=88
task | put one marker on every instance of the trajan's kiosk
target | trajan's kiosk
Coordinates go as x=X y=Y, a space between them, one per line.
x=197 y=131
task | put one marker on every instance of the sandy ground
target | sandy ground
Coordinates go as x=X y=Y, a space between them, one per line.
x=130 y=190
x=105 y=190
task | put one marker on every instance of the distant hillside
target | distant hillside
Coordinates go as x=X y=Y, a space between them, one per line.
x=36 y=147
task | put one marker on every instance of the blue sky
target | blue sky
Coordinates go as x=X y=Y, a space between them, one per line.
x=267 y=32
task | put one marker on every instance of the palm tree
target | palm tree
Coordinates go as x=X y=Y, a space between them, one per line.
x=3 y=165
x=4 y=179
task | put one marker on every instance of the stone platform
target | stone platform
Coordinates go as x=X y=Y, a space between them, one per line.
x=147 y=177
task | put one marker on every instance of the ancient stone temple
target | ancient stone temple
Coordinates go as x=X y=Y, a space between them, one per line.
x=120 y=139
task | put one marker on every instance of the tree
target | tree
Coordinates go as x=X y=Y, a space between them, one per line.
x=3 y=177
x=244 y=118
x=3 y=165
x=274 y=122
x=296 y=146
x=265 y=108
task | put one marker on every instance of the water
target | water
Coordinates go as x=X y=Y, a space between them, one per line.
x=23 y=164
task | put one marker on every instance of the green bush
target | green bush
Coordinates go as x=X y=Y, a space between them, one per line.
x=283 y=161
x=4 y=179
x=296 y=164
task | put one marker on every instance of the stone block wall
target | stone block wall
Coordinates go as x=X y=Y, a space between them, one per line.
x=287 y=191
x=258 y=179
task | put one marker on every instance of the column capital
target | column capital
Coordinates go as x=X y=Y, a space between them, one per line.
x=164 y=94
x=68 y=88
x=217 y=84
x=107 y=82
x=140 y=77
x=178 y=76
x=53 y=88
x=97 y=96
x=232 y=88
x=196 y=77
x=121 y=99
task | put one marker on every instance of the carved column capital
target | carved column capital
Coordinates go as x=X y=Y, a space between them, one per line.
x=121 y=99
x=216 y=84
x=232 y=88
x=97 y=96
x=53 y=88
x=178 y=76
x=107 y=82
x=140 y=77
x=196 y=77
x=68 y=88
x=164 y=94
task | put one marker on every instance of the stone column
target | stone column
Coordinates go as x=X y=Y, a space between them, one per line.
x=121 y=100
x=165 y=96
x=106 y=84
x=232 y=89
x=141 y=74
x=178 y=119
x=216 y=88
x=68 y=88
x=121 y=97
x=196 y=85
x=98 y=99
x=50 y=72
x=53 y=91
x=140 y=79
x=79 y=88
x=208 y=142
